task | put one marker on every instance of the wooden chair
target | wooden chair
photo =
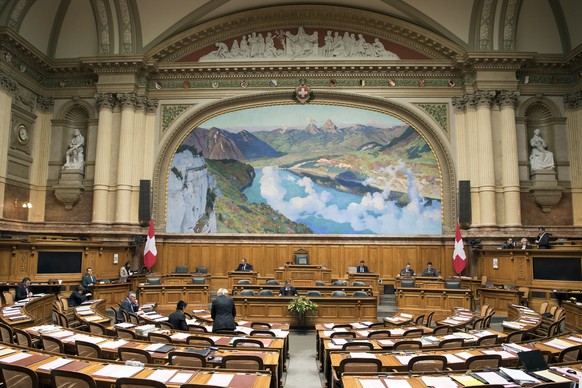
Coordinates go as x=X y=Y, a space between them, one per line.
x=22 y=338
x=477 y=324
x=355 y=345
x=515 y=336
x=483 y=361
x=132 y=382
x=133 y=318
x=165 y=325
x=53 y=345
x=338 y=294
x=159 y=338
x=543 y=308
x=116 y=315
x=15 y=376
x=376 y=324
x=247 y=342
x=342 y=326
x=379 y=334
x=407 y=345
x=97 y=328
x=197 y=328
x=8 y=298
x=199 y=340
x=342 y=334
x=419 y=320
x=429 y=319
x=483 y=310
x=441 y=330
x=261 y=325
x=6 y=334
x=427 y=362
x=125 y=333
x=487 y=340
x=452 y=343
x=135 y=354
x=355 y=365
x=186 y=359
x=413 y=333
x=262 y=333
x=70 y=379
x=241 y=361
x=570 y=354
x=88 y=349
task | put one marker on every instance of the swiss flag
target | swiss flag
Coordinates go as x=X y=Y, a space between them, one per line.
x=150 y=252
x=459 y=257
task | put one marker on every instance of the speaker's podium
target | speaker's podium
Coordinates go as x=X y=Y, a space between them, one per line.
x=303 y=274
x=236 y=276
x=368 y=278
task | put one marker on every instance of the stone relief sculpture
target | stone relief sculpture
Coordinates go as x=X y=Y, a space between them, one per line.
x=286 y=45
x=74 y=155
x=540 y=158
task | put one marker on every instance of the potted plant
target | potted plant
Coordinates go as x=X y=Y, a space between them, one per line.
x=301 y=306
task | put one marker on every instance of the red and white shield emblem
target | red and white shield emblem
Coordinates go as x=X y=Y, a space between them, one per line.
x=302 y=93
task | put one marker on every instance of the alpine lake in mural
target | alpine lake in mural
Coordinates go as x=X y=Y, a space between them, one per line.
x=304 y=169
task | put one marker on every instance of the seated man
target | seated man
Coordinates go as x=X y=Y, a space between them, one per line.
x=23 y=289
x=429 y=270
x=77 y=296
x=287 y=289
x=130 y=305
x=244 y=266
x=178 y=319
x=407 y=271
x=362 y=268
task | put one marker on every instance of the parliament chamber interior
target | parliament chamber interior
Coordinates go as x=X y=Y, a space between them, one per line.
x=275 y=194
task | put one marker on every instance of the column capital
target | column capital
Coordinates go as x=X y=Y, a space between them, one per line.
x=151 y=105
x=127 y=100
x=507 y=98
x=45 y=104
x=459 y=103
x=574 y=100
x=484 y=98
x=8 y=83
x=104 y=100
x=140 y=102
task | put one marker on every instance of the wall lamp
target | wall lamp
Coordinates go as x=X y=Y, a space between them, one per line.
x=24 y=204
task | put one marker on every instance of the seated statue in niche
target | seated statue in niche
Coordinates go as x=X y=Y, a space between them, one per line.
x=540 y=158
x=74 y=155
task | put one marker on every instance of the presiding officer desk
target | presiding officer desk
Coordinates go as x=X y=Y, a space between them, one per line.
x=106 y=373
x=302 y=290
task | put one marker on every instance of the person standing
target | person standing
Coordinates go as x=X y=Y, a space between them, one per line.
x=223 y=311
x=543 y=240
x=88 y=280
x=244 y=266
x=23 y=289
x=178 y=319
x=362 y=268
x=124 y=272
x=130 y=305
x=287 y=289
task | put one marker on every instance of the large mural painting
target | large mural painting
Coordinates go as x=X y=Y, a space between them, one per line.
x=304 y=169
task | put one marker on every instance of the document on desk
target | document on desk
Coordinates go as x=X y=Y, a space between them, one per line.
x=492 y=377
x=504 y=354
x=396 y=383
x=558 y=343
x=86 y=338
x=118 y=371
x=162 y=375
x=112 y=344
x=467 y=380
x=574 y=338
x=439 y=382
x=6 y=351
x=61 y=334
x=452 y=359
x=180 y=336
x=55 y=364
x=403 y=359
x=362 y=355
x=519 y=375
x=548 y=374
x=464 y=355
x=182 y=378
x=220 y=380
x=371 y=383
x=15 y=357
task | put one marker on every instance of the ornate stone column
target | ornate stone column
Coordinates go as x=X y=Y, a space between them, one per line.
x=473 y=141
x=573 y=103
x=462 y=146
x=150 y=142
x=510 y=171
x=485 y=157
x=139 y=151
x=8 y=87
x=102 y=183
x=125 y=158
x=39 y=166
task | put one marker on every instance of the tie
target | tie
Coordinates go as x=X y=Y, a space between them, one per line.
x=244 y=267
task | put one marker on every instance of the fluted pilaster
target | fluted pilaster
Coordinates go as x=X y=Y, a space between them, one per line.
x=125 y=157
x=573 y=103
x=138 y=158
x=473 y=142
x=510 y=170
x=462 y=146
x=105 y=103
x=7 y=88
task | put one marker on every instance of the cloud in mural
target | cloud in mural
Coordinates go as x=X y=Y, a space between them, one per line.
x=375 y=212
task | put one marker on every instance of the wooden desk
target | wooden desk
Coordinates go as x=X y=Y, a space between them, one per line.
x=111 y=293
x=303 y=275
x=418 y=301
x=179 y=279
x=302 y=290
x=423 y=281
x=499 y=298
x=37 y=311
x=573 y=315
x=235 y=276
x=342 y=310
x=167 y=296
x=368 y=278
x=521 y=318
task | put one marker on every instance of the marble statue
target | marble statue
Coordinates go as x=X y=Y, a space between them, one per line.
x=74 y=155
x=540 y=158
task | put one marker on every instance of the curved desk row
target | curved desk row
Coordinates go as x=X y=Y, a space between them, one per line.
x=33 y=311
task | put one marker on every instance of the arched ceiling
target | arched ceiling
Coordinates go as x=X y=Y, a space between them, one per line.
x=65 y=29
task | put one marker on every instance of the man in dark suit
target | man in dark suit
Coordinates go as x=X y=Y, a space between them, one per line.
x=178 y=319
x=223 y=311
x=244 y=266
x=23 y=289
x=362 y=268
x=77 y=296
x=88 y=280
x=407 y=271
x=543 y=240
x=130 y=305
x=287 y=289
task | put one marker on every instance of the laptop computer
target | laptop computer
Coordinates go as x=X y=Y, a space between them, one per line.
x=535 y=365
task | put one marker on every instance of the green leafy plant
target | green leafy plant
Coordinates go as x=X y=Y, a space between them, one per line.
x=302 y=306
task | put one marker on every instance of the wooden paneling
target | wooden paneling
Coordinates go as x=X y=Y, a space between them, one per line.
x=499 y=298
x=196 y=295
x=112 y=294
x=573 y=316
x=424 y=300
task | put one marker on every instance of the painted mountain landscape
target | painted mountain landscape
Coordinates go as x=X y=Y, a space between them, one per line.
x=304 y=169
